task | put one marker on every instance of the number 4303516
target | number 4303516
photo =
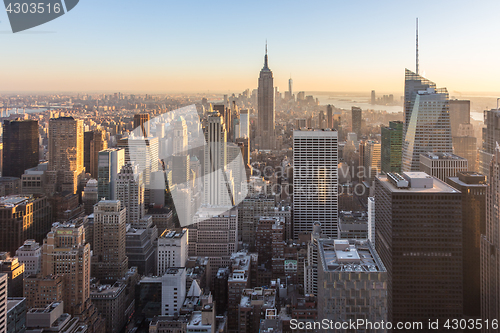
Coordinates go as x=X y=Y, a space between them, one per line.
x=33 y=8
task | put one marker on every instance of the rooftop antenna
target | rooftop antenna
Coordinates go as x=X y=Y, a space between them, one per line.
x=417 y=49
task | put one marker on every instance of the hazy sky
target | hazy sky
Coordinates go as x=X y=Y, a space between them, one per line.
x=218 y=46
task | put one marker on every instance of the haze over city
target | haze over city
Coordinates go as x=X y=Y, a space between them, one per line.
x=167 y=46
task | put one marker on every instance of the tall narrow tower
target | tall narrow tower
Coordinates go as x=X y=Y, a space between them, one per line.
x=416 y=51
x=490 y=246
x=65 y=153
x=266 y=107
x=20 y=146
x=217 y=185
x=109 y=261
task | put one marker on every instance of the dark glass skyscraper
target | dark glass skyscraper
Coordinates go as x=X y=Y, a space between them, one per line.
x=20 y=147
x=392 y=142
x=413 y=84
x=490 y=244
x=142 y=119
x=356 y=121
x=266 y=107
x=94 y=142
x=473 y=187
x=419 y=239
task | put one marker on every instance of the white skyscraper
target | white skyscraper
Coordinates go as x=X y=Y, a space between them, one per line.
x=173 y=291
x=315 y=181
x=371 y=220
x=180 y=143
x=30 y=254
x=244 y=123
x=172 y=250
x=143 y=152
x=217 y=183
x=130 y=192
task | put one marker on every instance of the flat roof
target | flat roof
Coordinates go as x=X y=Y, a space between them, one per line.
x=442 y=156
x=349 y=256
x=13 y=200
x=438 y=185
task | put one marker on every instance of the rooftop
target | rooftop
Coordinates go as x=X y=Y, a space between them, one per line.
x=438 y=186
x=338 y=255
x=11 y=201
x=442 y=156
x=266 y=298
x=176 y=233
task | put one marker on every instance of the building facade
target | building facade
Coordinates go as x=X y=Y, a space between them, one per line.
x=352 y=283
x=109 y=261
x=20 y=147
x=391 y=147
x=473 y=188
x=419 y=239
x=428 y=129
x=315 y=181
x=66 y=146
x=265 y=95
x=442 y=165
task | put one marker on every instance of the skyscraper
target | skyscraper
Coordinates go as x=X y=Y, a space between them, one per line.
x=315 y=181
x=20 y=147
x=245 y=123
x=142 y=120
x=110 y=163
x=371 y=159
x=144 y=153
x=21 y=218
x=356 y=120
x=130 y=192
x=65 y=153
x=94 y=142
x=217 y=184
x=109 y=261
x=428 y=129
x=3 y=302
x=65 y=252
x=173 y=290
x=442 y=165
x=180 y=158
x=266 y=107
x=490 y=245
x=213 y=235
x=392 y=143
x=172 y=250
x=351 y=273
x=491 y=135
x=459 y=114
x=329 y=116
x=419 y=239
x=322 y=123
x=465 y=145
x=473 y=187
x=413 y=84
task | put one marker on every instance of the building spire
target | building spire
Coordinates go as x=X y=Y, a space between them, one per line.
x=265 y=58
x=417 y=49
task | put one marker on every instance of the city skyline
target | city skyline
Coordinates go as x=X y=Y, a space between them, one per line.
x=363 y=50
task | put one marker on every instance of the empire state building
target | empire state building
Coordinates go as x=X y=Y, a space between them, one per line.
x=266 y=108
